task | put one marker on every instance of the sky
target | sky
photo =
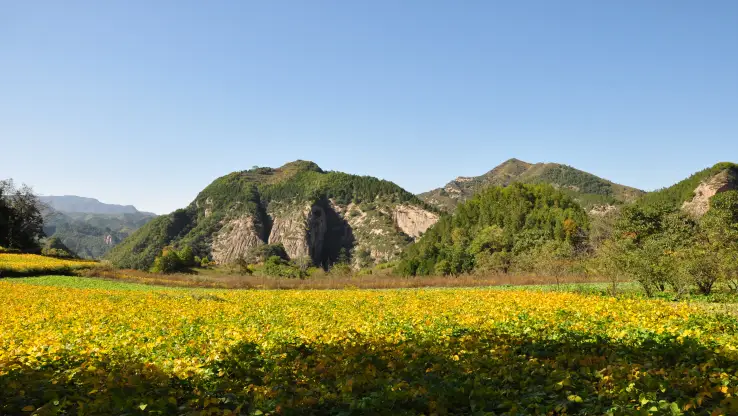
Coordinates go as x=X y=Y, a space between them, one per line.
x=146 y=102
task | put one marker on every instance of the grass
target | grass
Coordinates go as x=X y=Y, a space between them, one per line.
x=218 y=279
x=77 y=282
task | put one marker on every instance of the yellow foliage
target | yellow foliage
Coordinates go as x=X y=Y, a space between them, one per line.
x=186 y=334
x=33 y=264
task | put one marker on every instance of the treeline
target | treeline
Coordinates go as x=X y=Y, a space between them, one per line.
x=538 y=229
x=661 y=247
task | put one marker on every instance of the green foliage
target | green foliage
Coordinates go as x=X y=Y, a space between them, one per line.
x=720 y=223
x=172 y=261
x=659 y=246
x=511 y=221
x=276 y=266
x=262 y=252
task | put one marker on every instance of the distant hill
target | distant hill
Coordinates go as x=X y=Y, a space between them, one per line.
x=325 y=216
x=693 y=194
x=87 y=226
x=587 y=189
x=72 y=203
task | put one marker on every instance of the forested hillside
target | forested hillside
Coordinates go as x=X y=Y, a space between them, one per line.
x=499 y=229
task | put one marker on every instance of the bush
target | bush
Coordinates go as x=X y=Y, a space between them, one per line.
x=168 y=262
x=275 y=266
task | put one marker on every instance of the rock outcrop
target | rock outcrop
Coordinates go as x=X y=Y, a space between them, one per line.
x=301 y=230
x=412 y=220
x=700 y=203
x=236 y=238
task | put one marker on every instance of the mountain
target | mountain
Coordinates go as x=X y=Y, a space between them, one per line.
x=312 y=213
x=587 y=189
x=693 y=194
x=72 y=203
x=92 y=235
x=87 y=226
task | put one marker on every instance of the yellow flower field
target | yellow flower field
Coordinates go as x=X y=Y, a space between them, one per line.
x=32 y=264
x=433 y=351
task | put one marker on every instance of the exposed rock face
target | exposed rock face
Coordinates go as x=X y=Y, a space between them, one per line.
x=413 y=220
x=301 y=231
x=235 y=239
x=700 y=204
x=602 y=210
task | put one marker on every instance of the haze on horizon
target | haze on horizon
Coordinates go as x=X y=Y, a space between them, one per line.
x=146 y=103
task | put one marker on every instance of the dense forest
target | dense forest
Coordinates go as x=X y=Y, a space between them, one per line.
x=499 y=230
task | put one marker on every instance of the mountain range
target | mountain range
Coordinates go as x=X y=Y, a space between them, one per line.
x=88 y=227
x=324 y=215
x=79 y=204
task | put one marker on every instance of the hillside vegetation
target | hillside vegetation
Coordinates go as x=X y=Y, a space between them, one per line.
x=589 y=190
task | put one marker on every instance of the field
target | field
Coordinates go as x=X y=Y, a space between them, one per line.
x=33 y=265
x=71 y=345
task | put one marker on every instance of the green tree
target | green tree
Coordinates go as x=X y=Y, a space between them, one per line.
x=187 y=256
x=168 y=262
x=21 y=222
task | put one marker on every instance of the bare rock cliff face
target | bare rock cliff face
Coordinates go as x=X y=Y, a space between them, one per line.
x=235 y=239
x=413 y=220
x=300 y=230
x=700 y=204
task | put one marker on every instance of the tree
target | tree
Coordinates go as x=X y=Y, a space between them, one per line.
x=21 y=222
x=168 y=262
x=187 y=256
x=720 y=223
x=303 y=264
x=701 y=266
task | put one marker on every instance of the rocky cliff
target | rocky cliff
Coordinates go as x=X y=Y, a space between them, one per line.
x=725 y=180
x=312 y=213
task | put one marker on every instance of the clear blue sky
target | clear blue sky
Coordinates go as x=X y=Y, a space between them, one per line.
x=146 y=102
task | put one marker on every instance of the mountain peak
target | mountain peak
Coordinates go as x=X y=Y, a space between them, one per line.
x=301 y=166
x=588 y=189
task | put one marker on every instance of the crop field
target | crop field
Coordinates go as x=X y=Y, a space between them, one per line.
x=101 y=350
x=33 y=265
